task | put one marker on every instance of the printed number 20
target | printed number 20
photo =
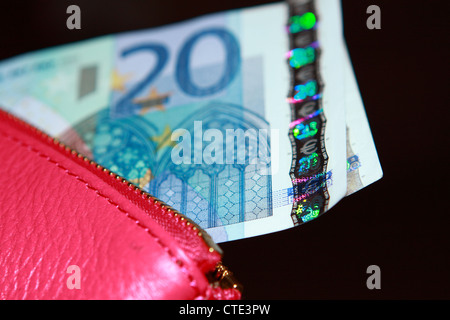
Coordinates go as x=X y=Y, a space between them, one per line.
x=183 y=74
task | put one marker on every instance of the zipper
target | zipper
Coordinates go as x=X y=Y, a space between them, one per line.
x=226 y=279
x=219 y=277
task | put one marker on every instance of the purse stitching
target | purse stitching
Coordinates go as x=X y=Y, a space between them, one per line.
x=178 y=262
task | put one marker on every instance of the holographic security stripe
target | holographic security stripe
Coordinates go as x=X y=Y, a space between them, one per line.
x=308 y=173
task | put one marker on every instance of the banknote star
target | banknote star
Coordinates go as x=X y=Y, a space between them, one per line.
x=118 y=81
x=164 y=140
x=143 y=181
x=152 y=100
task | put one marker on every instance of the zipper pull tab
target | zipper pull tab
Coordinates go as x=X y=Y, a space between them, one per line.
x=226 y=279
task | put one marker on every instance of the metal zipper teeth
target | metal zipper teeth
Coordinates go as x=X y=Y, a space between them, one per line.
x=221 y=274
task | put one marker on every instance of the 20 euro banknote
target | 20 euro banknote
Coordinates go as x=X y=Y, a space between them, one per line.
x=200 y=113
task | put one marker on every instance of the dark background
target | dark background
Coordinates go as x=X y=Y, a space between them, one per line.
x=399 y=223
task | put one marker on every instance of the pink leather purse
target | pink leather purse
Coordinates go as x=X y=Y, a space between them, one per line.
x=71 y=229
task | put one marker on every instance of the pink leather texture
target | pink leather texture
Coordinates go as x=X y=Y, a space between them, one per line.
x=57 y=211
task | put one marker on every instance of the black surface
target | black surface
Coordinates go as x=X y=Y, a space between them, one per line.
x=400 y=223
